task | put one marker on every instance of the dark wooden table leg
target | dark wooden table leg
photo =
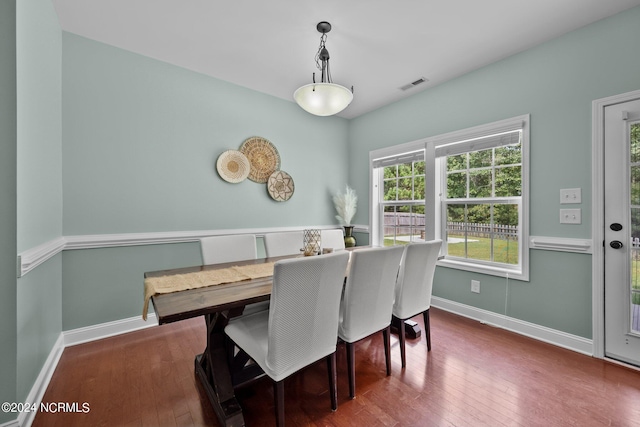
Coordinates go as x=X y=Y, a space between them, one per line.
x=212 y=369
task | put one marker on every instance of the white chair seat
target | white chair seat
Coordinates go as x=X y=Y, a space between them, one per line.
x=301 y=326
x=414 y=287
x=367 y=301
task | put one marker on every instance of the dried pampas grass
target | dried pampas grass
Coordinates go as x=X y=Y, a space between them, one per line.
x=345 y=204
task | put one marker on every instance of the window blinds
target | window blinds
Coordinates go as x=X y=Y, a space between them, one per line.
x=509 y=133
x=415 y=156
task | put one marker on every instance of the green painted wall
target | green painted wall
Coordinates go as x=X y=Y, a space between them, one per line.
x=140 y=142
x=555 y=83
x=103 y=285
x=39 y=183
x=8 y=231
x=141 y=139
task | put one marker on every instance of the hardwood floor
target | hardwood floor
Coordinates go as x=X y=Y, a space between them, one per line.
x=475 y=375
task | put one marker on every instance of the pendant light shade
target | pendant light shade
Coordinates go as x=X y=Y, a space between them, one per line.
x=325 y=98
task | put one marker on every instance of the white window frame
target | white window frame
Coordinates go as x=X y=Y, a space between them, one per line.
x=437 y=147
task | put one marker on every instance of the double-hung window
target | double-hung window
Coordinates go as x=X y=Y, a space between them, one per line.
x=475 y=196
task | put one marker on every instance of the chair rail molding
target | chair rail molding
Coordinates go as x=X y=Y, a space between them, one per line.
x=563 y=244
x=33 y=257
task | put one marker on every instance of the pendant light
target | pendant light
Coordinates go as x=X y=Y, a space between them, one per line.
x=324 y=98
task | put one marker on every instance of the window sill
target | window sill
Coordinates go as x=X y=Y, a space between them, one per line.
x=484 y=269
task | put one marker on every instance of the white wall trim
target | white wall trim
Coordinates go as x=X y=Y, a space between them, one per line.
x=31 y=258
x=540 y=333
x=109 y=329
x=42 y=382
x=561 y=244
x=14 y=423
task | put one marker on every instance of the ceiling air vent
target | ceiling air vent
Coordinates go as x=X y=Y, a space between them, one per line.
x=414 y=83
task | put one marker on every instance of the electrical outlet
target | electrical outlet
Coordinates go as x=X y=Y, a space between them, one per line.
x=475 y=286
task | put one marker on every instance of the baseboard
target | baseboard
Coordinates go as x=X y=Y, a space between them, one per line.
x=42 y=382
x=541 y=333
x=104 y=330
x=109 y=329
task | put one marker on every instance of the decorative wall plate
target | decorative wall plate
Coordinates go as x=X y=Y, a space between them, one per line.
x=233 y=166
x=263 y=157
x=280 y=186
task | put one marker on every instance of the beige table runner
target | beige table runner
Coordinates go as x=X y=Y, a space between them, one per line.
x=201 y=279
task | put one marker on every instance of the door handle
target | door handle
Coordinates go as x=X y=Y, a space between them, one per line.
x=616 y=244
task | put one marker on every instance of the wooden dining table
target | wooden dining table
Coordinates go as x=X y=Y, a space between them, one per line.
x=218 y=367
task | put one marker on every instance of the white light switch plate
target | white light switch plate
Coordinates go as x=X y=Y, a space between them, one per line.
x=570 y=195
x=570 y=216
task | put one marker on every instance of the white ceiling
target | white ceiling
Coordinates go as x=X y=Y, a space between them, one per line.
x=375 y=45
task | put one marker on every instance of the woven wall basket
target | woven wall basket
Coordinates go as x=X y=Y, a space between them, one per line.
x=233 y=166
x=263 y=158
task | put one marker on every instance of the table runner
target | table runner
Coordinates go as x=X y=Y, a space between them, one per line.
x=201 y=279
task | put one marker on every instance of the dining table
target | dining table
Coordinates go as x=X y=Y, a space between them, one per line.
x=219 y=368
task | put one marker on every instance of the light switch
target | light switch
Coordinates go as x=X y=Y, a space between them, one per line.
x=570 y=216
x=570 y=195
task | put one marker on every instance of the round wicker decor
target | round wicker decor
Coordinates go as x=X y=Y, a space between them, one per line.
x=263 y=157
x=280 y=186
x=233 y=166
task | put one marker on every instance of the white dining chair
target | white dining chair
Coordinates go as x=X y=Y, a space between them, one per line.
x=414 y=287
x=333 y=239
x=284 y=243
x=231 y=248
x=367 y=301
x=301 y=325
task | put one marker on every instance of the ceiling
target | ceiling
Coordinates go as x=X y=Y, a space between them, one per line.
x=376 y=46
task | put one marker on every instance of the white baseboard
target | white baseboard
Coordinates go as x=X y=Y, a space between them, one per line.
x=42 y=382
x=104 y=330
x=109 y=329
x=541 y=333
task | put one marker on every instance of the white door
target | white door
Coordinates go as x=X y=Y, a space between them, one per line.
x=622 y=231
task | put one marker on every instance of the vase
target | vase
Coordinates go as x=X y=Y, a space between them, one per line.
x=349 y=239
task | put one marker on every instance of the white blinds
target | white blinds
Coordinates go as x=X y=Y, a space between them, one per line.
x=505 y=132
x=415 y=156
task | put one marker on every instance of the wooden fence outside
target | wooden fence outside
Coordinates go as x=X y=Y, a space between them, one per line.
x=408 y=223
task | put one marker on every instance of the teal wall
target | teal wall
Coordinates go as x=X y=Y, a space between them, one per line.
x=39 y=183
x=556 y=83
x=141 y=138
x=8 y=230
x=97 y=140
x=106 y=284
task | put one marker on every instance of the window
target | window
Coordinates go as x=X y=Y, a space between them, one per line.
x=403 y=201
x=475 y=196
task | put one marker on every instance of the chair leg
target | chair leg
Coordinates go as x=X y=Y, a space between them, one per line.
x=278 y=391
x=333 y=378
x=427 y=328
x=351 y=369
x=402 y=339
x=386 y=335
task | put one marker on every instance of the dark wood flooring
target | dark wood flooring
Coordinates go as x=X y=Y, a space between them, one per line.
x=475 y=375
